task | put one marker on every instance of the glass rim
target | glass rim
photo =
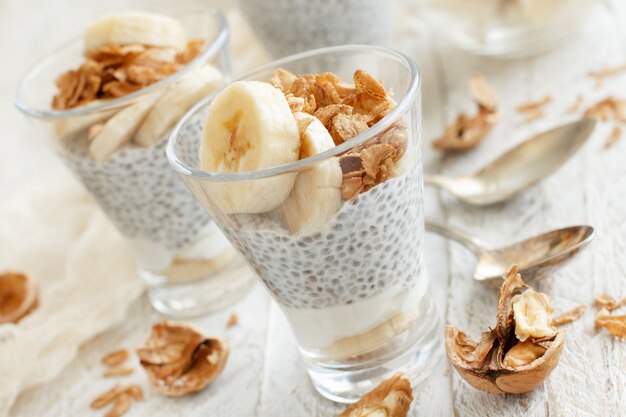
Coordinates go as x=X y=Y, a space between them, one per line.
x=402 y=107
x=215 y=46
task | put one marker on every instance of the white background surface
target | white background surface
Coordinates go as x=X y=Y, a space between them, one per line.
x=264 y=376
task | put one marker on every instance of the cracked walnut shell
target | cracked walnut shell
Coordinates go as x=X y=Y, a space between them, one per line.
x=179 y=360
x=519 y=354
x=18 y=296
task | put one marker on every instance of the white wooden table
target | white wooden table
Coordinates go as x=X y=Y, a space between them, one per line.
x=265 y=376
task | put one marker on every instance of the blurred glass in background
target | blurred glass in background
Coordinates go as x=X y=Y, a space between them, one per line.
x=286 y=27
x=507 y=28
x=501 y=28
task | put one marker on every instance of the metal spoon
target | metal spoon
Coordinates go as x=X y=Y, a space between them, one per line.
x=520 y=167
x=535 y=256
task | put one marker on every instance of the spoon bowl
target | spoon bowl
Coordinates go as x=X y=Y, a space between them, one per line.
x=520 y=167
x=536 y=257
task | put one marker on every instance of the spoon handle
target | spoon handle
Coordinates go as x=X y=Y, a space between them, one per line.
x=470 y=242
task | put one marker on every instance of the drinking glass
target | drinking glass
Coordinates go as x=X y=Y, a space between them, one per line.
x=505 y=28
x=187 y=263
x=355 y=290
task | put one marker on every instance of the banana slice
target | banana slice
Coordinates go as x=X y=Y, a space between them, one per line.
x=406 y=163
x=64 y=128
x=131 y=28
x=365 y=342
x=249 y=127
x=316 y=194
x=537 y=10
x=175 y=102
x=120 y=129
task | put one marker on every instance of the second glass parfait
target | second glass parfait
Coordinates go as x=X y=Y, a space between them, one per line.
x=337 y=234
x=108 y=101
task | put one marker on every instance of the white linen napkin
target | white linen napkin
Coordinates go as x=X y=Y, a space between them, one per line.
x=86 y=277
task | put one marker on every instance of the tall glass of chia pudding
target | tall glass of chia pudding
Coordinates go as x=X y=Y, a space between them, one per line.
x=311 y=166
x=109 y=100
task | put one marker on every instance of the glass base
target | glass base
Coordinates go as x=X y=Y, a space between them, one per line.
x=347 y=381
x=201 y=296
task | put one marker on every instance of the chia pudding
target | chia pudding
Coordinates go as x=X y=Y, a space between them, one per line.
x=354 y=257
x=119 y=153
x=149 y=204
x=338 y=241
x=356 y=273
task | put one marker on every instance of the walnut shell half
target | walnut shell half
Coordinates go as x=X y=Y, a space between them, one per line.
x=519 y=354
x=179 y=360
x=18 y=296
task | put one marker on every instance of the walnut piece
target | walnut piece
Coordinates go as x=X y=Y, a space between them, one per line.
x=573 y=108
x=117 y=357
x=179 y=360
x=121 y=405
x=522 y=354
x=121 y=397
x=610 y=108
x=233 y=320
x=616 y=325
x=483 y=94
x=533 y=106
x=502 y=362
x=107 y=397
x=468 y=131
x=534 y=115
x=392 y=398
x=134 y=391
x=606 y=72
x=569 y=316
x=608 y=302
x=18 y=296
x=532 y=314
x=118 y=371
x=615 y=135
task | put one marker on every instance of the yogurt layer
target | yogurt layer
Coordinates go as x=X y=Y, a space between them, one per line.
x=320 y=329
